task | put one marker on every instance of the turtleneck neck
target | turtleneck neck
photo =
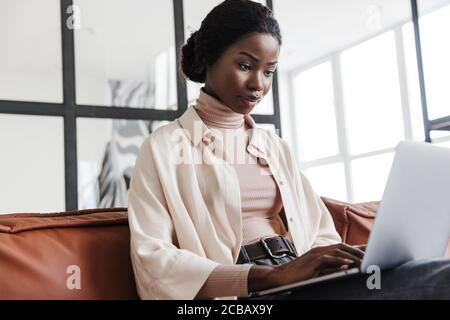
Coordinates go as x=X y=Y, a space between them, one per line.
x=215 y=114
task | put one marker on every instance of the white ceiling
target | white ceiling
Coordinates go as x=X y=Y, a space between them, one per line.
x=123 y=37
x=314 y=29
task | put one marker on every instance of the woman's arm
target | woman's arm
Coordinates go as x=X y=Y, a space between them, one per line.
x=161 y=269
x=226 y=281
x=261 y=278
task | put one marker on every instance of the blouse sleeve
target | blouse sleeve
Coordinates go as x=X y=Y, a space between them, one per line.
x=161 y=269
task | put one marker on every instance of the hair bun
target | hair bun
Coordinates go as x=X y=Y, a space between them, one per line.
x=192 y=63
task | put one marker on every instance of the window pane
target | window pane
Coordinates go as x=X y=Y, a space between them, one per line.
x=125 y=54
x=412 y=74
x=31 y=164
x=372 y=95
x=107 y=151
x=434 y=34
x=194 y=13
x=30 y=51
x=316 y=120
x=437 y=134
x=315 y=31
x=328 y=181
x=370 y=176
x=441 y=138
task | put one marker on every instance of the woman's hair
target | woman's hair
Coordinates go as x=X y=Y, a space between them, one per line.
x=224 y=25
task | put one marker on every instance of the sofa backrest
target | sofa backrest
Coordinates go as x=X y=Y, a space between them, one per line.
x=69 y=255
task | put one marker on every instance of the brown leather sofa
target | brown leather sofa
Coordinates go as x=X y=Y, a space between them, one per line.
x=85 y=254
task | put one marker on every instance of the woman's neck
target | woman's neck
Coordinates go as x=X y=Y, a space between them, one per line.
x=215 y=114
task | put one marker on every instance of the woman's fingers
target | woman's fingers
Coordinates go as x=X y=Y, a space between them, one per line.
x=328 y=261
x=343 y=254
x=327 y=271
x=350 y=249
x=333 y=258
x=355 y=250
x=332 y=262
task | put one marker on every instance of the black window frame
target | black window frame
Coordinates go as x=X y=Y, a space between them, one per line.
x=443 y=123
x=71 y=111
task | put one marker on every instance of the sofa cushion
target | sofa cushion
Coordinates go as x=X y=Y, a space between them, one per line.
x=46 y=256
x=353 y=222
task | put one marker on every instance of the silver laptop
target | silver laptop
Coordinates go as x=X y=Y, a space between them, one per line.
x=413 y=219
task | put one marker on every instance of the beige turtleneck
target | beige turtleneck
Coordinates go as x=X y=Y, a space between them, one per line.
x=260 y=196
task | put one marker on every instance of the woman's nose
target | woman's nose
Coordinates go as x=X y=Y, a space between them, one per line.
x=256 y=82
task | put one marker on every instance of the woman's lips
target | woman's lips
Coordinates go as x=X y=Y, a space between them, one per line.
x=250 y=101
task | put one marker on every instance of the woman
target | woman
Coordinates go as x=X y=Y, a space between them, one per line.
x=218 y=207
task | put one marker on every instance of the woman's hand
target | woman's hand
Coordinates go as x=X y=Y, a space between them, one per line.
x=319 y=261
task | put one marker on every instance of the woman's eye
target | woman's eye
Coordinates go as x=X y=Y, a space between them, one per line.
x=268 y=73
x=244 y=67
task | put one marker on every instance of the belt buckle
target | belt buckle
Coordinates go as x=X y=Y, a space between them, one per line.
x=266 y=247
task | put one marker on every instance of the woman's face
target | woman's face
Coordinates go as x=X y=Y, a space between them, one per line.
x=243 y=73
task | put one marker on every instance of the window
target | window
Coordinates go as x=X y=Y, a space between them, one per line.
x=441 y=138
x=370 y=176
x=127 y=48
x=435 y=52
x=328 y=180
x=315 y=113
x=30 y=52
x=32 y=164
x=372 y=95
x=343 y=88
x=412 y=76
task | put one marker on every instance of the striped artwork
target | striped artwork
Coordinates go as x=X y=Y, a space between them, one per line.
x=121 y=150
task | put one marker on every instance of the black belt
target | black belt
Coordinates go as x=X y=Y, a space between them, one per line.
x=274 y=247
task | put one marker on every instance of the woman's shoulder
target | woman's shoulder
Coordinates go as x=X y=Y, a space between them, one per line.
x=166 y=136
x=164 y=132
